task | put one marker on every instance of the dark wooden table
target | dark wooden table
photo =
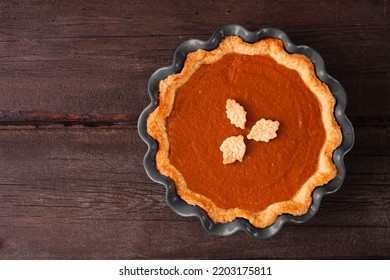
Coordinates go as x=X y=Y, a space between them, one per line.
x=73 y=78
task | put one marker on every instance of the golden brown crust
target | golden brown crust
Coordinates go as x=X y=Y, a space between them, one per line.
x=326 y=170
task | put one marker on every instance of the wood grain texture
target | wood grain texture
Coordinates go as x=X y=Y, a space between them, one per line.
x=73 y=81
x=81 y=192
x=96 y=58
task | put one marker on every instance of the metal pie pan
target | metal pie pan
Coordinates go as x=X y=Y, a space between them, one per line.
x=181 y=207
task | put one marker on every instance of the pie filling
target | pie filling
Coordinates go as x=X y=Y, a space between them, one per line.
x=270 y=172
x=205 y=148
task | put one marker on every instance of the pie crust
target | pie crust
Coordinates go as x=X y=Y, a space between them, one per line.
x=325 y=171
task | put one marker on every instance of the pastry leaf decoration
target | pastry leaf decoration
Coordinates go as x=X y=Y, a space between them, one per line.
x=264 y=130
x=235 y=113
x=233 y=147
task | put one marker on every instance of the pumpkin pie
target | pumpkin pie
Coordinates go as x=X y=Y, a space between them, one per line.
x=246 y=130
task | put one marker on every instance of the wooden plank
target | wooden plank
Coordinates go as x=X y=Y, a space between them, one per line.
x=129 y=239
x=371 y=139
x=79 y=192
x=97 y=59
x=104 y=166
x=110 y=75
x=8 y=117
x=102 y=18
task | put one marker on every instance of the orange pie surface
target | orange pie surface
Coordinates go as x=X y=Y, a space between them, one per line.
x=274 y=177
x=270 y=172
